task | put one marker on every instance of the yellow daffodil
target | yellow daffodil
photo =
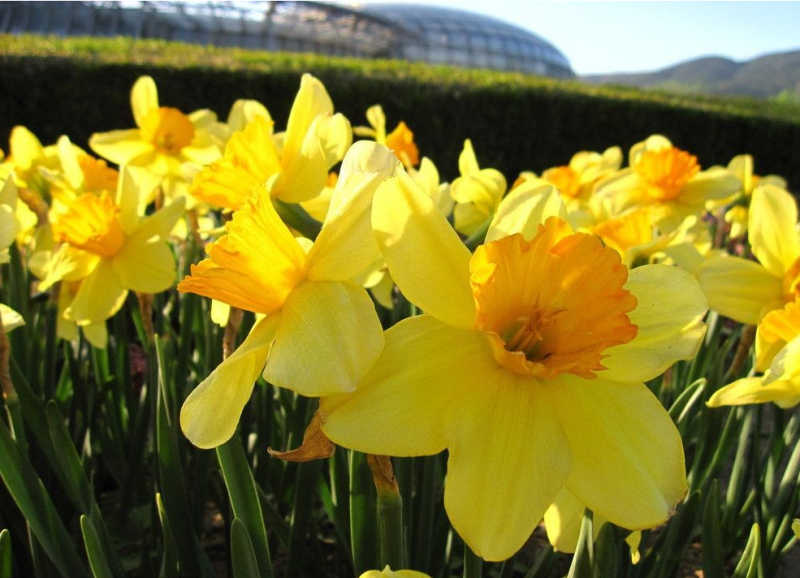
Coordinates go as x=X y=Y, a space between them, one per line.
x=80 y=172
x=777 y=356
x=111 y=250
x=293 y=166
x=477 y=192
x=11 y=319
x=27 y=157
x=741 y=167
x=400 y=141
x=163 y=139
x=321 y=332
x=527 y=366
x=577 y=180
x=8 y=222
x=746 y=290
x=668 y=181
x=389 y=573
x=563 y=523
x=243 y=112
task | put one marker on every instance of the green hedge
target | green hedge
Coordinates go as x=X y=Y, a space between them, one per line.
x=517 y=122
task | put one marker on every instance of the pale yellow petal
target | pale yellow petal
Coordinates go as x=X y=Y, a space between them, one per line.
x=771 y=229
x=346 y=245
x=26 y=149
x=669 y=320
x=11 y=319
x=335 y=136
x=99 y=297
x=628 y=462
x=145 y=267
x=121 y=146
x=524 y=209
x=509 y=458
x=740 y=289
x=563 y=522
x=305 y=174
x=67 y=264
x=328 y=339
x=425 y=257
x=467 y=162
x=157 y=226
x=753 y=390
x=96 y=334
x=144 y=98
x=210 y=414
x=244 y=111
x=311 y=101
x=399 y=406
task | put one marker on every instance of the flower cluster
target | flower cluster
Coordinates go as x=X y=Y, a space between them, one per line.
x=540 y=309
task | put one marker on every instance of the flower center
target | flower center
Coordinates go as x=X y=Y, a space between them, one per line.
x=565 y=179
x=90 y=223
x=666 y=171
x=791 y=282
x=401 y=143
x=97 y=175
x=553 y=304
x=168 y=129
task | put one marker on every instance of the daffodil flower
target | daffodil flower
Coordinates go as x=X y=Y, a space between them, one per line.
x=777 y=357
x=293 y=166
x=111 y=250
x=400 y=141
x=163 y=139
x=477 y=192
x=26 y=159
x=741 y=167
x=746 y=290
x=668 y=181
x=8 y=222
x=527 y=366
x=321 y=333
x=80 y=172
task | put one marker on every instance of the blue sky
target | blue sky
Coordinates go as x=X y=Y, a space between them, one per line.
x=600 y=37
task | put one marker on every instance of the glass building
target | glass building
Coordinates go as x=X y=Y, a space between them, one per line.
x=400 y=31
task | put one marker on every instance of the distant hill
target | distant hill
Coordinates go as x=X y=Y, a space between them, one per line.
x=766 y=76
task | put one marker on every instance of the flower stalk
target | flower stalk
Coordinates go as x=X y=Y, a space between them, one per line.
x=390 y=512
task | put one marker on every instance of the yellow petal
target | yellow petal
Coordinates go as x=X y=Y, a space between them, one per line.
x=144 y=98
x=210 y=414
x=627 y=455
x=25 y=148
x=311 y=101
x=68 y=264
x=335 y=136
x=753 y=390
x=244 y=111
x=305 y=173
x=121 y=146
x=99 y=296
x=329 y=337
x=346 y=244
x=96 y=334
x=399 y=406
x=771 y=229
x=796 y=528
x=425 y=257
x=509 y=458
x=145 y=267
x=11 y=319
x=563 y=522
x=388 y=573
x=158 y=226
x=524 y=209
x=467 y=162
x=669 y=320
x=740 y=289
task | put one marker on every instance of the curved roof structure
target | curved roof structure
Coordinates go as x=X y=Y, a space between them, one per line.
x=449 y=36
x=402 y=31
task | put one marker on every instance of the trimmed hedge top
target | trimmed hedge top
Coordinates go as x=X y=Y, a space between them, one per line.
x=77 y=86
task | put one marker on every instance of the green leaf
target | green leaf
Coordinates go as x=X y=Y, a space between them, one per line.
x=244 y=500
x=583 y=558
x=748 y=563
x=94 y=550
x=6 y=561
x=67 y=461
x=243 y=556
x=605 y=553
x=169 y=560
x=713 y=558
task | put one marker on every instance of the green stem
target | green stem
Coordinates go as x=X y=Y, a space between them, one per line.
x=297 y=218
x=473 y=564
x=390 y=527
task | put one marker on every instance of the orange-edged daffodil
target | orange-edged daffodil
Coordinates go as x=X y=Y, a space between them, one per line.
x=321 y=333
x=668 y=181
x=777 y=357
x=527 y=366
x=563 y=520
x=293 y=166
x=389 y=573
x=477 y=192
x=164 y=138
x=746 y=290
x=110 y=249
x=400 y=141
